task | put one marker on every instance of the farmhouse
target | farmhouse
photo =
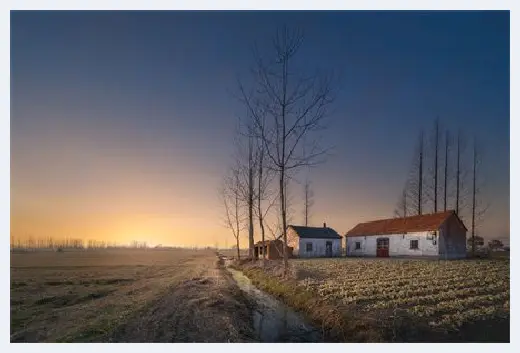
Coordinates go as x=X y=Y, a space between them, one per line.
x=273 y=249
x=314 y=241
x=441 y=235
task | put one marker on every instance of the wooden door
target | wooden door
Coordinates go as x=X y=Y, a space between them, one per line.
x=382 y=247
x=328 y=249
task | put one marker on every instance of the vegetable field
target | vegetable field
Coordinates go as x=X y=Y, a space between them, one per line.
x=443 y=294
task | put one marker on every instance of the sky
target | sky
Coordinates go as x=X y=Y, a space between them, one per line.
x=122 y=122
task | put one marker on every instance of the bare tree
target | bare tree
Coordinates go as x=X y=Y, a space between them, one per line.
x=246 y=160
x=401 y=209
x=436 y=165
x=308 y=195
x=446 y=163
x=286 y=106
x=414 y=185
x=462 y=178
x=430 y=197
x=230 y=195
x=457 y=197
x=420 y=177
x=478 y=208
x=250 y=197
x=264 y=177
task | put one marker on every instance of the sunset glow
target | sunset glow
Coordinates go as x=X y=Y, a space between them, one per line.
x=122 y=123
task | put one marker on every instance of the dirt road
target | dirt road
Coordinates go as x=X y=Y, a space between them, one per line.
x=209 y=308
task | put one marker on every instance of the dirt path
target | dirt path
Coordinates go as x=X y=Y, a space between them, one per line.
x=209 y=308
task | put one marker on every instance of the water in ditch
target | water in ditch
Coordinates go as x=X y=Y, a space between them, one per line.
x=273 y=320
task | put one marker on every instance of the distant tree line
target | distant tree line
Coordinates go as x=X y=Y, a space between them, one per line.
x=33 y=243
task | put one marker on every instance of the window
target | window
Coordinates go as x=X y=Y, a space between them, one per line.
x=308 y=247
x=414 y=244
x=358 y=245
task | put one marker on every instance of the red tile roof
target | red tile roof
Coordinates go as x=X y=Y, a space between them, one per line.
x=426 y=222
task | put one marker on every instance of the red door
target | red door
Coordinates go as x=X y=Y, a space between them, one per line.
x=382 y=247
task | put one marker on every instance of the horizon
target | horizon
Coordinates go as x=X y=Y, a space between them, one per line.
x=122 y=122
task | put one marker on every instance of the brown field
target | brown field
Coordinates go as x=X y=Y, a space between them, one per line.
x=125 y=296
x=398 y=299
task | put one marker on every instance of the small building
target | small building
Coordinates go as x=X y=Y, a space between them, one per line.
x=314 y=241
x=273 y=249
x=441 y=235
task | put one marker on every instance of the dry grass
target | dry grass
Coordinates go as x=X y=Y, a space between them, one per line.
x=107 y=295
x=397 y=299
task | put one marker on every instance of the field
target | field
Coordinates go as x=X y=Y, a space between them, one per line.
x=464 y=300
x=188 y=296
x=125 y=296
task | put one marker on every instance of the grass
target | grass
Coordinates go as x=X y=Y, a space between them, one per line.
x=390 y=300
x=108 y=295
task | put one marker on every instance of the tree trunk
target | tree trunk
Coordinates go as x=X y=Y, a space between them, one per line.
x=237 y=219
x=260 y=193
x=282 y=165
x=284 y=223
x=474 y=201
x=446 y=172
x=458 y=175
x=421 y=143
x=436 y=165
x=250 y=202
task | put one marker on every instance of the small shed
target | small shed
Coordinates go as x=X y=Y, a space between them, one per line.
x=441 y=234
x=273 y=249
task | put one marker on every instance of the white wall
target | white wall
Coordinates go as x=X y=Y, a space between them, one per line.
x=318 y=247
x=399 y=245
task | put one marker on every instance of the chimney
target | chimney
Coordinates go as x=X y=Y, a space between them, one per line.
x=324 y=225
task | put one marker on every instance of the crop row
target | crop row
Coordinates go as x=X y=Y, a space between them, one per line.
x=348 y=295
x=459 y=305
x=457 y=319
x=369 y=286
x=442 y=296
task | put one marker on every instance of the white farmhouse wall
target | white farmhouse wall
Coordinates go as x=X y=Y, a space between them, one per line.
x=399 y=245
x=318 y=247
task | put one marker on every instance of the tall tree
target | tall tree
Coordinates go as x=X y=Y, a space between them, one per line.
x=436 y=167
x=401 y=209
x=308 y=195
x=246 y=160
x=264 y=177
x=414 y=186
x=474 y=197
x=446 y=156
x=420 y=180
x=250 y=197
x=261 y=188
x=478 y=207
x=230 y=195
x=286 y=106
x=458 y=186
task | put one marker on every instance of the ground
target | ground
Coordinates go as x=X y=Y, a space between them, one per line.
x=125 y=296
x=397 y=299
x=188 y=296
